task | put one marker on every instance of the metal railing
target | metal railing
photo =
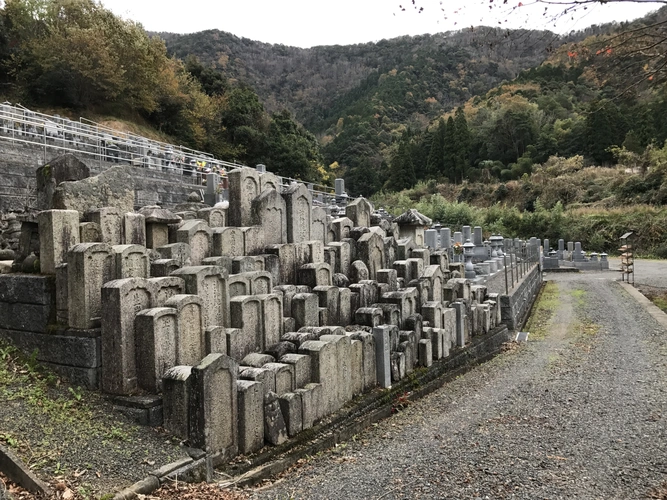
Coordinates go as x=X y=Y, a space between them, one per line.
x=518 y=258
x=108 y=146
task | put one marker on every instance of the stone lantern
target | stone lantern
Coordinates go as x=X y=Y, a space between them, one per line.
x=157 y=225
x=500 y=241
x=494 y=246
x=468 y=253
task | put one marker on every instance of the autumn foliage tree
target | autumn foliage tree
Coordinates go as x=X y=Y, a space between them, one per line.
x=76 y=54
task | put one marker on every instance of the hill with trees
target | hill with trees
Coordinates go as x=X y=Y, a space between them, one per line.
x=382 y=110
x=80 y=59
x=477 y=105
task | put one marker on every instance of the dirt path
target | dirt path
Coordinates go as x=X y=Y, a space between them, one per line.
x=578 y=412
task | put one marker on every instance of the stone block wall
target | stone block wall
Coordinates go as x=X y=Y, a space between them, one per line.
x=28 y=320
x=516 y=306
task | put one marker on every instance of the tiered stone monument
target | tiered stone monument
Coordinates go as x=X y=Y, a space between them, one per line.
x=257 y=320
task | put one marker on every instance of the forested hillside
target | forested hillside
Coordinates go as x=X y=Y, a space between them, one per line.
x=77 y=58
x=479 y=105
x=385 y=112
x=359 y=99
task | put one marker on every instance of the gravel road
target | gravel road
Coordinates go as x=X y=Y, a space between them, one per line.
x=648 y=272
x=579 y=412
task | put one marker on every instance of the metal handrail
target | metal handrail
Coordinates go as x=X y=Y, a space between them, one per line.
x=104 y=144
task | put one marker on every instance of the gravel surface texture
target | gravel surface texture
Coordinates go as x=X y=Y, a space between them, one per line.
x=73 y=438
x=577 y=412
x=652 y=273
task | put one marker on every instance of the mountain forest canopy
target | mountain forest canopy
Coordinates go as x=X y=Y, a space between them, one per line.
x=76 y=55
x=477 y=105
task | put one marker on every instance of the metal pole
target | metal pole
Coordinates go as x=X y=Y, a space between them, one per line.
x=507 y=291
x=511 y=266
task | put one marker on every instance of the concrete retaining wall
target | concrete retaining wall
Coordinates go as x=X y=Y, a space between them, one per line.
x=18 y=164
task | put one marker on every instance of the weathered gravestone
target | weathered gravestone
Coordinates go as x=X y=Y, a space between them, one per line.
x=213 y=416
x=359 y=212
x=134 y=229
x=244 y=186
x=110 y=221
x=155 y=337
x=209 y=283
x=89 y=266
x=58 y=233
x=122 y=300
x=270 y=213
x=190 y=340
x=320 y=225
x=130 y=261
x=197 y=234
x=299 y=205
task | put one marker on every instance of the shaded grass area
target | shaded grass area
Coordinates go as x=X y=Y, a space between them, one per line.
x=70 y=434
x=543 y=310
x=656 y=295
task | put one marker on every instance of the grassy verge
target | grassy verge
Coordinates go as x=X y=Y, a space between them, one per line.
x=543 y=311
x=656 y=295
x=71 y=435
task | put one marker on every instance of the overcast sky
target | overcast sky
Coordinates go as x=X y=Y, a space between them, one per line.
x=306 y=23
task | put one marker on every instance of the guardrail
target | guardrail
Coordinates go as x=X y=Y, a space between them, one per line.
x=106 y=146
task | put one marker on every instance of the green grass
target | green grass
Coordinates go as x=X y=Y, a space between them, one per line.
x=40 y=410
x=543 y=311
x=660 y=301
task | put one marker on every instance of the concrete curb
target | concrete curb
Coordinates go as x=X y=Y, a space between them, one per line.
x=17 y=471
x=649 y=306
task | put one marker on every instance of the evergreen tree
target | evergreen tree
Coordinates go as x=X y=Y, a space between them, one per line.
x=632 y=143
x=362 y=179
x=401 y=168
x=435 y=165
x=291 y=151
x=605 y=127
x=451 y=150
x=463 y=141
